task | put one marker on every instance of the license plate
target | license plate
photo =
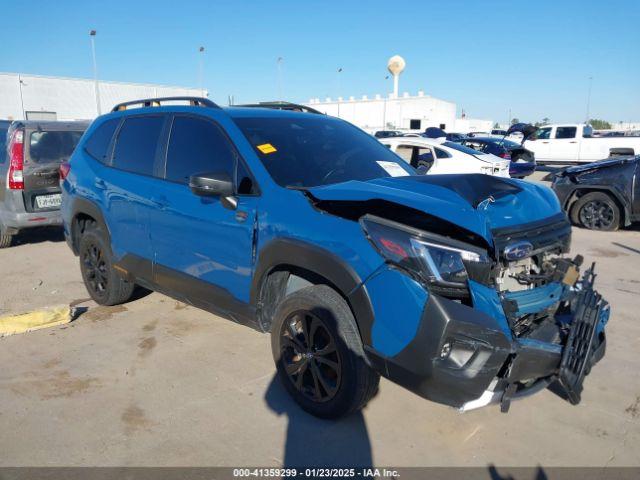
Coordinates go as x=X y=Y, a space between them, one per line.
x=49 y=201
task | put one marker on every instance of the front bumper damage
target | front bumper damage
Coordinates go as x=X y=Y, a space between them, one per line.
x=468 y=357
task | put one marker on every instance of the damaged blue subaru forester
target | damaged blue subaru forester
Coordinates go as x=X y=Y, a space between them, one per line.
x=457 y=287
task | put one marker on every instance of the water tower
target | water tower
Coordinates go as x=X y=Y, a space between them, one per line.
x=396 y=65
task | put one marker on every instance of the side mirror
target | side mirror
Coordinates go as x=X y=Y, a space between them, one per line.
x=211 y=184
x=215 y=185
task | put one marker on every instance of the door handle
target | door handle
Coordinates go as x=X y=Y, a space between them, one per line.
x=100 y=184
x=545 y=142
x=573 y=141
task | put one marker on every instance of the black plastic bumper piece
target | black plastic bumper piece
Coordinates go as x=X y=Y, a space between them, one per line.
x=458 y=351
x=428 y=366
x=582 y=349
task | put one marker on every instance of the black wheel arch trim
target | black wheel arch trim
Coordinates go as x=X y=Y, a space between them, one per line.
x=572 y=198
x=285 y=252
x=83 y=206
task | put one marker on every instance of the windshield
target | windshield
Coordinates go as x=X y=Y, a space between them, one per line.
x=317 y=150
x=51 y=146
x=461 y=148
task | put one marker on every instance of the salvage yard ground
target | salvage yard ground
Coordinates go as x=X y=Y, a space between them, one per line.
x=156 y=382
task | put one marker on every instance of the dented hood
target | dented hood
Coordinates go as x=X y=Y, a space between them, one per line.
x=477 y=203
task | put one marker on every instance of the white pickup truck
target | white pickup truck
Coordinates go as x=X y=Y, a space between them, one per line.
x=574 y=143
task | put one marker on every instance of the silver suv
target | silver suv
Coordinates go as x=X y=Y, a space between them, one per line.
x=30 y=156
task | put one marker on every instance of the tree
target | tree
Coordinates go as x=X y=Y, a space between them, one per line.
x=546 y=121
x=496 y=125
x=598 y=124
x=514 y=121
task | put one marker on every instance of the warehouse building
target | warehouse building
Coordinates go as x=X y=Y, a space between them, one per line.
x=35 y=97
x=403 y=112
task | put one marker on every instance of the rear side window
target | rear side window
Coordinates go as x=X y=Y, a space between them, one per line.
x=98 y=144
x=3 y=143
x=566 y=132
x=197 y=146
x=49 y=146
x=441 y=153
x=137 y=144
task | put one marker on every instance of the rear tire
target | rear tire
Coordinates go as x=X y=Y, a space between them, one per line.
x=318 y=353
x=104 y=284
x=596 y=211
x=5 y=240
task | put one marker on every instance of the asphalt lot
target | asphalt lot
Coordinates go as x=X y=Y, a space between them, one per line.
x=156 y=382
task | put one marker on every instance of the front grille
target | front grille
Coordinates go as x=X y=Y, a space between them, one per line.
x=547 y=234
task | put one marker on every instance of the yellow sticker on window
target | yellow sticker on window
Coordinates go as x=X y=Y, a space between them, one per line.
x=266 y=148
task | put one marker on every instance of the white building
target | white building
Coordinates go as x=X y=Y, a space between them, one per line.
x=54 y=98
x=405 y=112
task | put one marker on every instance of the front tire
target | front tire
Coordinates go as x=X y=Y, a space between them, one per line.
x=318 y=353
x=104 y=284
x=596 y=211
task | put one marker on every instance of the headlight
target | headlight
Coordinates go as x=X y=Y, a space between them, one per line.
x=439 y=262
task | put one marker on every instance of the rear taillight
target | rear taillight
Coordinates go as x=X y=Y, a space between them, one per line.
x=505 y=155
x=15 y=177
x=65 y=168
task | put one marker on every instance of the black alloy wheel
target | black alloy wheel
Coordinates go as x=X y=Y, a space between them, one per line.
x=597 y=215
x=310 y=357
x=96 y=270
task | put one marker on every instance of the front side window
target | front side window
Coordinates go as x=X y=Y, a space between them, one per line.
x=98 y=144
x=566 y=132
x=197 y=146
x=48 y=146
x=412 y=154
x=308 y=151
x=137 y=143
x=543 y=133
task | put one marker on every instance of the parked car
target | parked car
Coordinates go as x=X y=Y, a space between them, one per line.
x=435 y=156
x=478 y=134
x=574 y=143
x=30 y=195
x=302 y=225
x=498 y=132
x=455 y=137
x=387 y=133
x=603 y=195
x=522 y=161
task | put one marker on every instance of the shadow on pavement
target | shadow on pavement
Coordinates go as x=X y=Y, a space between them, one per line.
x=312 y=442
x=38 y=235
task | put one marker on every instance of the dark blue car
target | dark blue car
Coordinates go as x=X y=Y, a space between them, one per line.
x=523 y=161
x=303 y=226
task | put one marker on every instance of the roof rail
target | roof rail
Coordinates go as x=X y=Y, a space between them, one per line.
x=280 y=105
x=157 y=102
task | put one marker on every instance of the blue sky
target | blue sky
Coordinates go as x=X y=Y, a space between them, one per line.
x=534 y=58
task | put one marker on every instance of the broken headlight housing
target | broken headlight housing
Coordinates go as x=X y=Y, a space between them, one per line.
x=442 y=264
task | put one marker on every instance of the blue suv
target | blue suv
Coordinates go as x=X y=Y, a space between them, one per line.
x=456 y=287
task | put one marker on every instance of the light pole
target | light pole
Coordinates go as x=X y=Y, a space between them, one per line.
x=279 y=63
x=338 y=96
x=92 y=35
x=589 y=99
x=201 y=71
